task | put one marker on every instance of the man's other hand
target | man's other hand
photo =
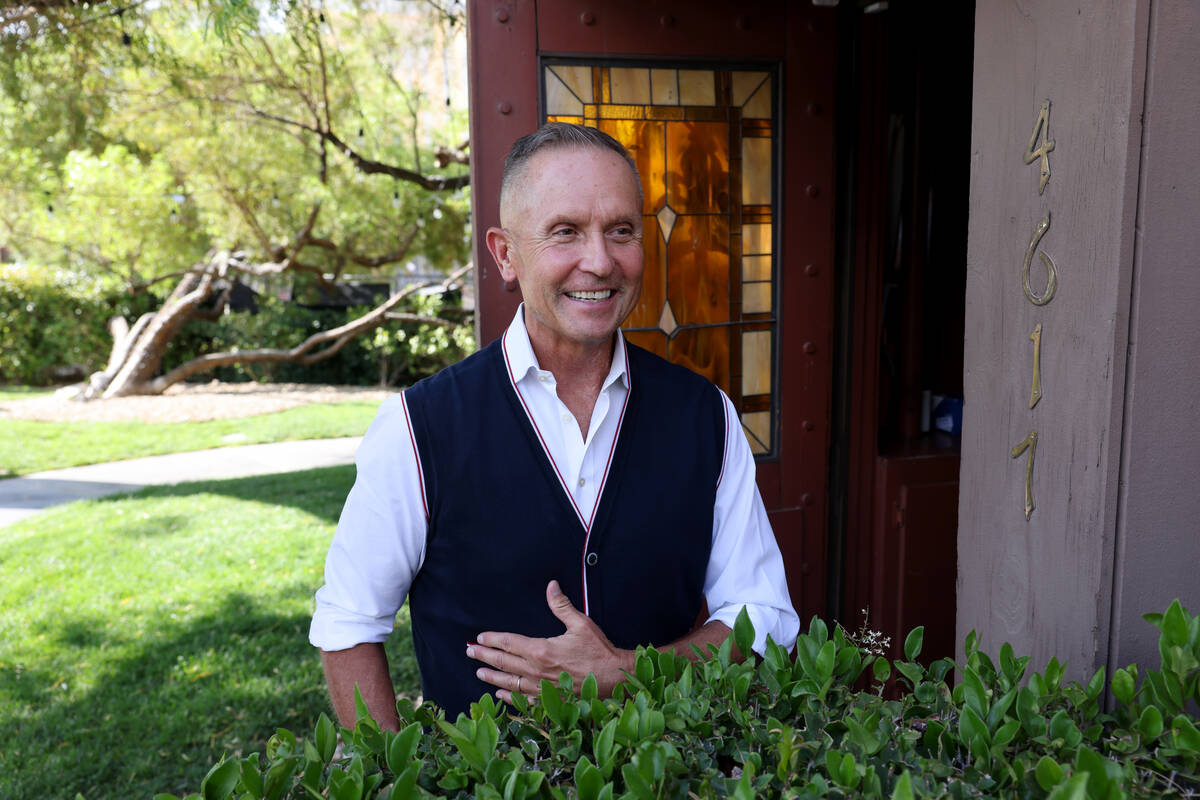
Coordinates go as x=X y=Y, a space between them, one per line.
x=520 y=662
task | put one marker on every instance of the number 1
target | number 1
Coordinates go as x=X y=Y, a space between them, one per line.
x=1035 y=394
x=1028 y=443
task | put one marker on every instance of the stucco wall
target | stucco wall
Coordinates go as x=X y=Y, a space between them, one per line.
x=1045 y=584
x=1158 y=530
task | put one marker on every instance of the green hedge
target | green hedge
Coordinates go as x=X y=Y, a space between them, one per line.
x=51 y=319
x=393 y=354
x=777 y=728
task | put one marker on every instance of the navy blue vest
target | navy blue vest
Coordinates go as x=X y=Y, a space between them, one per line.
x=501 y=525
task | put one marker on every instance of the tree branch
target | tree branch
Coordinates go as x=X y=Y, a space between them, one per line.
x=434 y=183
x=331 y=341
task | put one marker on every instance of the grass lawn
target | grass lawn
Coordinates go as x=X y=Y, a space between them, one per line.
x=18 y=392
x=28 y=446
x=144 y=636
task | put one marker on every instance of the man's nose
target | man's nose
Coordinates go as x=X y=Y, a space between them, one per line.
x=597 y=257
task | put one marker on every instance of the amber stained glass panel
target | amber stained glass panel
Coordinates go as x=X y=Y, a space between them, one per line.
x=702 y=350
x=698 y=167
x=698 y=269
x=646 y=142
x=701 y=140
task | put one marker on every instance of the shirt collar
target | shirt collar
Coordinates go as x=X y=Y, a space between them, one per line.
x=522 y=359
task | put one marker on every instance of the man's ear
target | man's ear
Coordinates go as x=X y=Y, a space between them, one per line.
x=501 y=246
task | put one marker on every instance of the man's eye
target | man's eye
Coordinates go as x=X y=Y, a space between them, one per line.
x=623 y=232
x=563 y=233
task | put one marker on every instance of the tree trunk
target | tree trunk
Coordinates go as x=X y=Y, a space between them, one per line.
x=145 y=353
x=137 y=356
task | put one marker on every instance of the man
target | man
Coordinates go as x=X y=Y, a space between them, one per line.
x=559 y=497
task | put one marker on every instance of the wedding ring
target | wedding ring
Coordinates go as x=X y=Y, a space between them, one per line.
x=518 y=683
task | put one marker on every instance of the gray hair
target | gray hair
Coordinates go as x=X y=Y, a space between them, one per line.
x=554 y=135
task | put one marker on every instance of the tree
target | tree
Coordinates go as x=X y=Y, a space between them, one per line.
x=205 y=143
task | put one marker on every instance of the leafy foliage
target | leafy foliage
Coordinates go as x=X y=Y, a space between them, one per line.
x=781 y=727
x=52 y=318
x=135 y=141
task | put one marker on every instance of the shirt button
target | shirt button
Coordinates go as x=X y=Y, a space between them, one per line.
x=566 y=417
x=582 y=481
x=592 y=558
x=542 y=378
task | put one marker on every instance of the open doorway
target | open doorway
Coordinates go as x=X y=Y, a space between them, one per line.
x=904 y=133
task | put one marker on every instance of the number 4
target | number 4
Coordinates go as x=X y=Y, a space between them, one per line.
x=1041 y=128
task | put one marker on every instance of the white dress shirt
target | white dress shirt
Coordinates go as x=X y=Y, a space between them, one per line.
x=379 y=545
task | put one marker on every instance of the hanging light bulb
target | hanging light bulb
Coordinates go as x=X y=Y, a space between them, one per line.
x=126 y=39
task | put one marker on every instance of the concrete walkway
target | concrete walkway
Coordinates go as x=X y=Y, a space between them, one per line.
x=25 y=496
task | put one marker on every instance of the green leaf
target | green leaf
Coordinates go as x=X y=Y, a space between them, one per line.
x=882 y=669
x=1074 y=788
x=1096 y=684
x=818 y=630
x=743 y=633
x=220 y=781
x=1122 y=686
x=602 y=746
x=912 y=643
x=486 y=737
x=278 y=777
x=251 y=778
x=1088 y=761
x=996 y=713
x=1175 y=624
x=1150 y=723
x=405 y=787
x=1048 y=773
x=974 y=693
x=970 y=726
x=903 y=789
x=912 y=672
x=1187 y=737
x=402 y=747
x=1006 y=733
x=360 y=705
x=824 y=661
x=588 y=780
x=635 y=783
x=725 y=652
x=589 y=690
x=326 y=736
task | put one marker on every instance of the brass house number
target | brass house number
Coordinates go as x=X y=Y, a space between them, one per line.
x=1041 y=153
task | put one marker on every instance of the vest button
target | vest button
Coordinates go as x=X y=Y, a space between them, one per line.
x=592 y=558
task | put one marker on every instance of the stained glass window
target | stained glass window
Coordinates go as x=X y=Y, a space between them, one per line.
x=704 y=141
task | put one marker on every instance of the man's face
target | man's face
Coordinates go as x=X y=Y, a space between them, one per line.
x=572 y=238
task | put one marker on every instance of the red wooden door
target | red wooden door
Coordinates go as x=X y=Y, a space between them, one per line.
x=729 y=115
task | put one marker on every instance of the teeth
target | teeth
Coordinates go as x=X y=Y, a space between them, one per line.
x=602 y=294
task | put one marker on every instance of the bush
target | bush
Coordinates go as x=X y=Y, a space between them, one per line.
x=778 y=728
x=54 y=323
x=393 y=354
x=54 y=327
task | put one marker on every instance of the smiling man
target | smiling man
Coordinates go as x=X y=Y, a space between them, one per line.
x=559 y=497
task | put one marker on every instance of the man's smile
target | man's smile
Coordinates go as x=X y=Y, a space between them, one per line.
x=593 y=295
